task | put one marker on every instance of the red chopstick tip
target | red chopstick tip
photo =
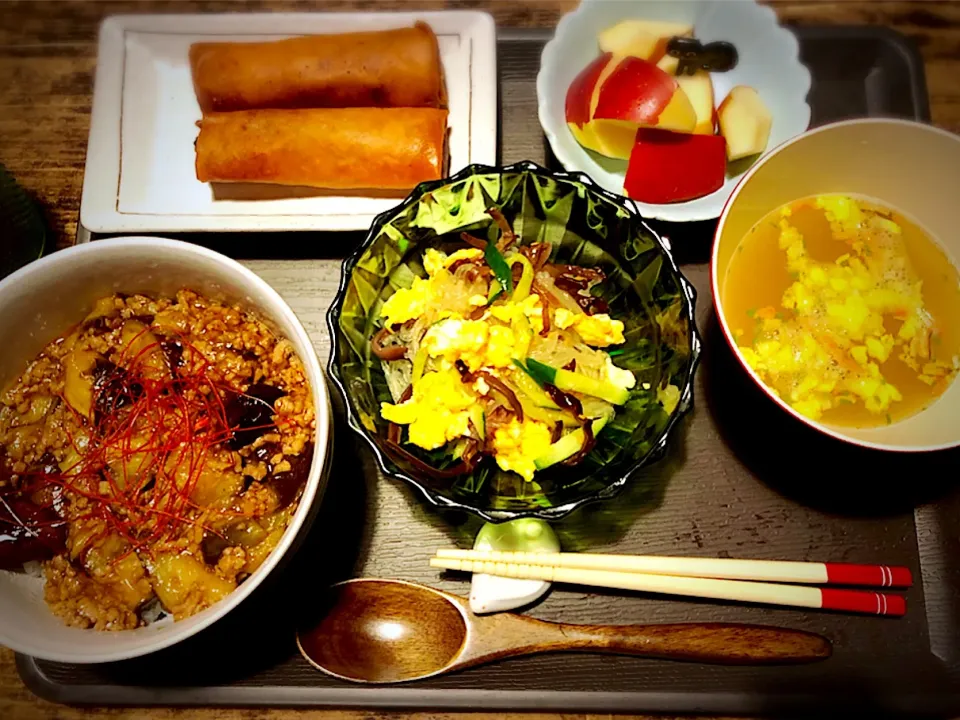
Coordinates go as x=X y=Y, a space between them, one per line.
x=869 y=575
x=901 y=577
x=897 y=605
x=863 y=602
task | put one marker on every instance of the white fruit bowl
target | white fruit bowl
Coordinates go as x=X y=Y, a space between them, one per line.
x=769 y=61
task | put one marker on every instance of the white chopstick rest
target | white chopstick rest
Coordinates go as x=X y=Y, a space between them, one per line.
x=493 y=593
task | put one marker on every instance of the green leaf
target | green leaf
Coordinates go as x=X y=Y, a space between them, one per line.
x=499 y=266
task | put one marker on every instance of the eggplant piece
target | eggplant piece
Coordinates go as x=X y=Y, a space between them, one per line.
x=250 y=414
x=287 y=484
x=29 y=532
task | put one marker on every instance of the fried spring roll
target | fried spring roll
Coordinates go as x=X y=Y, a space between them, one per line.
x=336 y=148
x=389 y=68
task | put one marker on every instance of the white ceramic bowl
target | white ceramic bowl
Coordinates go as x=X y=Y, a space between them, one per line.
x=769 y=62
x=42 y=300
x=910 y=166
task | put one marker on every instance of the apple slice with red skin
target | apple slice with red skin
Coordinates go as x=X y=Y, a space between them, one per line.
x=638 y=91
x=577 y=108
x=638 y=94
x=667 y=167
x=579 y=103
x=614 y=96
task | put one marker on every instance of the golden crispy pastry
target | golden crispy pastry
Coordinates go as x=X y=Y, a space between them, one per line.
x=388 y=68
x=336 y=148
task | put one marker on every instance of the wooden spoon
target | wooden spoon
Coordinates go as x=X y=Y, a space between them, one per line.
x=384 y=631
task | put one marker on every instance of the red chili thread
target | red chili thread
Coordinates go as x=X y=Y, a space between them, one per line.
x=168 y=427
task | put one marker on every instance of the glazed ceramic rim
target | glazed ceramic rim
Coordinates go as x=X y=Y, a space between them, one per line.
x=718 y=304
x=314 y=488
x=686 y=290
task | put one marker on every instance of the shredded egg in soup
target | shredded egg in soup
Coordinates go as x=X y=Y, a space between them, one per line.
x=846 y=309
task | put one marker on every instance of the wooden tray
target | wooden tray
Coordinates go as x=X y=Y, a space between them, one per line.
x=741 y=480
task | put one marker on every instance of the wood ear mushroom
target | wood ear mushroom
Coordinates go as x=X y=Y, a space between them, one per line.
x=693 y=55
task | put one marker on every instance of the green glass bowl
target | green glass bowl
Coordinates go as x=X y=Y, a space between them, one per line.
x=22 y=226
x=587 y=226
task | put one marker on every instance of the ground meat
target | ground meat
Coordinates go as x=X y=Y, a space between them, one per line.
x=83 y=602
x=45 y=421
x=257 y=501
x=231 y=563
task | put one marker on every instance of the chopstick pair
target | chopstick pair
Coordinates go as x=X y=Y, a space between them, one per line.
x=774 y=582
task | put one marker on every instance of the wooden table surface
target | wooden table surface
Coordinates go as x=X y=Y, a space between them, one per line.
x=47 y=58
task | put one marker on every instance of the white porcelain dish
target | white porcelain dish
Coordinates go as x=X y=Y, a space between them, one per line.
x=140 y=155
x=39 y=302
x=768 y=61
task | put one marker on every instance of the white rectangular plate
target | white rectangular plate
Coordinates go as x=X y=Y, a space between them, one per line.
x=140 y=156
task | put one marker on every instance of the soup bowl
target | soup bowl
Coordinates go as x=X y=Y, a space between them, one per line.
x=908 y=166
x=44 y=299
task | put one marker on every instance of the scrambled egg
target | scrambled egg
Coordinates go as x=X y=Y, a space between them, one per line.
x=618 y=376
x=517 y=445
x=442 y=405
x=514 y=312
x=477 y=343
x=598 y=330
x=411 y=303
x=407 y=303
x=434 y=260
x=830 y=348
x=438 y=411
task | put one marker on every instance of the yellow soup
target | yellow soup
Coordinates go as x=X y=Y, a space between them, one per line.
x=847 y=310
